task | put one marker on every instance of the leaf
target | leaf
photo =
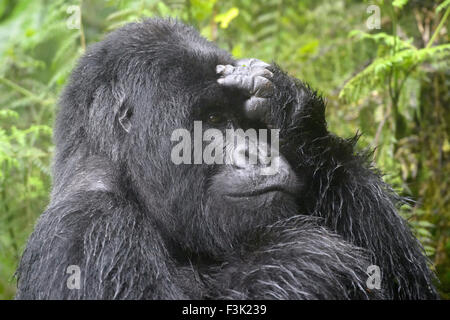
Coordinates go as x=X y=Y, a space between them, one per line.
x=7 y=113
x=383 y=39
x=225 y=18
x=399 y=3
x=121 y=15
x=443 y=5
x=376 y=73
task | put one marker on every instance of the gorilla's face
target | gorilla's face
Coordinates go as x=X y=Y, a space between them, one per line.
x=212 y=206
x=242 y=194
x=229 y=199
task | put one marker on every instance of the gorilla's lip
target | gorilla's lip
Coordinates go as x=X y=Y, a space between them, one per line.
x=261 y=191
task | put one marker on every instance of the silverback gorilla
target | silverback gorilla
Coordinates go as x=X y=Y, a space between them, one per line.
x=139 y=226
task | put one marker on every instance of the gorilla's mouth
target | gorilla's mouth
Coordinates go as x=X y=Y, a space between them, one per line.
x=258 y=192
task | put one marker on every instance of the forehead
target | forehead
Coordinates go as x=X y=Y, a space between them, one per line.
x=191 y=73
x=190 y=57
x=218 y=98
x=197 y=68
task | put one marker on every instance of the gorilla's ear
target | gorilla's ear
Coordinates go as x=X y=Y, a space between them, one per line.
x=125 y=114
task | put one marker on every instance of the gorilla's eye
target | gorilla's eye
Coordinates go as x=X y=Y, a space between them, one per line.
x=215 y=118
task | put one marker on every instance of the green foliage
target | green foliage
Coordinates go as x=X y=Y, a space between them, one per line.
x=391 y=84
x=225 y=18
x=443 y=5
x=399 y=3
x=406 y=58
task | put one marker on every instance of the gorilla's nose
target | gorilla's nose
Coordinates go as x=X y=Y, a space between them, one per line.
x=260 y=157
x=245 y=155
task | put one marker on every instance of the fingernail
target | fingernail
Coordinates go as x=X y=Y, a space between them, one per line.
x=220 y=68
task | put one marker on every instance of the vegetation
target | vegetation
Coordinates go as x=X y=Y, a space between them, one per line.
x=391 y=83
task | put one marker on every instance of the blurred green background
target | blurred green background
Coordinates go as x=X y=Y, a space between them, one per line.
x=384 y=71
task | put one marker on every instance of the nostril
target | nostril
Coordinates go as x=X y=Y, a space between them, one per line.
x=240 y=156
x=244 y=157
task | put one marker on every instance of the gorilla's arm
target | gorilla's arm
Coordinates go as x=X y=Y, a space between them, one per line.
x=342 y=187
x=108 y=239
x=299 y=260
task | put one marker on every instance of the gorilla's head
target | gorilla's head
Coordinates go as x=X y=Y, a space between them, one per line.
x=142 y=83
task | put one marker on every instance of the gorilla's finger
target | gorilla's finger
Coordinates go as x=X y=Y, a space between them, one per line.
x=240 y=81
x=226 y=70
x=257 y=86
x=262 y=72
x=256 y=71
x=252 y=62
x=262 y=87
x=256 y=108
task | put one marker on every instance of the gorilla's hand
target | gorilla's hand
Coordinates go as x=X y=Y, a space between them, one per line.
x=277 y=100
x=252 y=76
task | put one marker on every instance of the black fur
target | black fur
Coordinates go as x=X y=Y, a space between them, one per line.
x=141 y=227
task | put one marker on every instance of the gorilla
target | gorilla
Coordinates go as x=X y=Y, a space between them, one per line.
x=138 y=226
